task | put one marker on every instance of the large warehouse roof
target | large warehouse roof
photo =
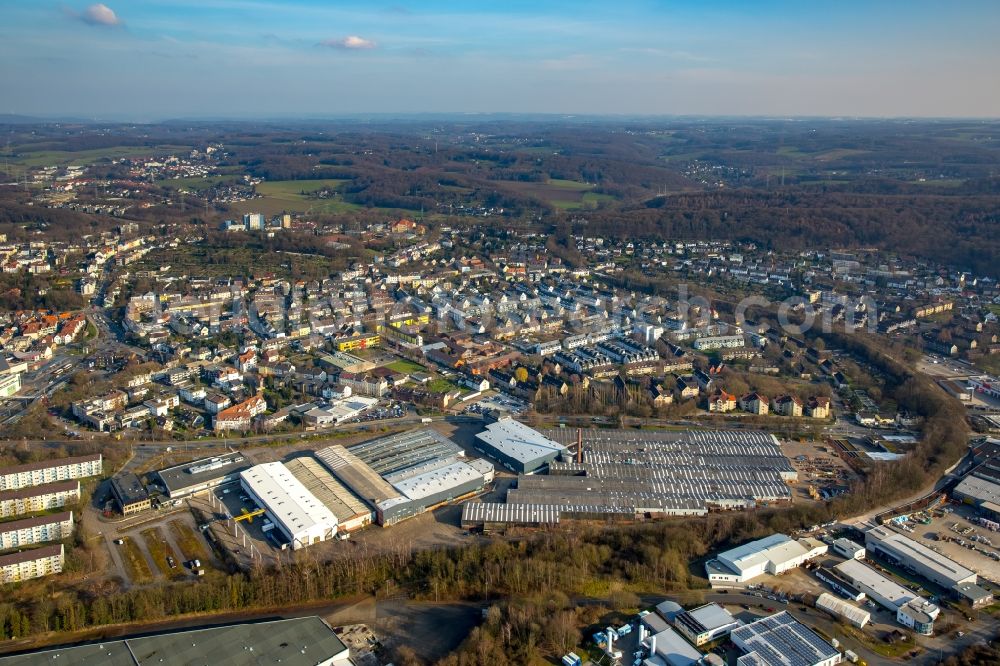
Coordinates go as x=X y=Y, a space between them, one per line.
x=855 y=615
x=391 y=454
x=980 y=489
x=303 y=641
x=774 y=548
x=358 y=476
x=327 y=489
x=518 y=441
x=512 y=514
x=864 y=576
x=198 y=472
x=286 y=499
x=781 y=640
x=912 y=552
x=438 y=480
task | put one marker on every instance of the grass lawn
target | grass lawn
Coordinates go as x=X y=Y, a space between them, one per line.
x=561 y=184
x=197 y=183
x=589 y=200
x=405 y=366
x=441 y=385
x=135 y=563
x=189 y=541
x=160 y=549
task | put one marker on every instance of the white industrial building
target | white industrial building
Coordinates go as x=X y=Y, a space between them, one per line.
x=668 y=648
x=918 y=558
x=705 y=623
x=848 y=611
x=849 y=549
x=302 y=519
x=773 y=555
x=911 y=610
x=781 y=640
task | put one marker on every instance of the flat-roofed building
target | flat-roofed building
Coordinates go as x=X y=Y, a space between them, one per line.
x=972 y=594
x=518 y=447
x=918 y=558
x=302 y=519
x=436 y=483
x=352 y=514
x=781 y=640
x=34 y=563
x=50 y=471
x=849 y=549
x=773 y=555
x=39 y=529
x=390 y=505
x=911 y=610
x=131 y=496
x=706 y=623
x=669 y=648
x=304 y=641
x=38 y=498
x=203 y=474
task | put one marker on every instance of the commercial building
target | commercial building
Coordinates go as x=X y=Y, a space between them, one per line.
x=202 y=474
x=668 y=648
x=493 y=515
x=34 y=563
x=911 y=610
x=439 y=482
x=705 y=623
x=131 y=496
x=401 y=451
x=50 y=471
x=389 y=504
x=917 y=558
x=304 y=641
x=771 y=555
x=518 y=448
x=840 y=608
x=351 y=513
x=28 y=531
x=300 y=517
x=781 y=640
x=38 y=498
x=978 y=489
x=972 y=594
x=847 y=548
x=839 y=584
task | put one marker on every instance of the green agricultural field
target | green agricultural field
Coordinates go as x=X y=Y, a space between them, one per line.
x=589 y=200
x=561 y=184
x=292 y=196
x=196 y=183
x=43 y=158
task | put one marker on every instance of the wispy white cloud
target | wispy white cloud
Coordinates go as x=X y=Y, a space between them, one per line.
x=100 y=14
x=349 y=43
x=686 y=56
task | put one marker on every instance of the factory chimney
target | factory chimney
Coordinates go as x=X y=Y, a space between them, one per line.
x=579 y=446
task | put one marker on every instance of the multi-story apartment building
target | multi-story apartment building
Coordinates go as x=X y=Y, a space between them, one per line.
x=33 y=563
x=50 y=471
x=19 y=533
x=38 y=498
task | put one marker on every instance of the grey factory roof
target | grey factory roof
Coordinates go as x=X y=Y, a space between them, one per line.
x=864 y=577
x=672 y=648
x=204 y=470
x=518 y=441
x=303 y=641
x=327 y=489
x=980 y=489
x=914 y=553
x=705 y=491
x=440 y=479
x=393 y=453
x=358 y=476
x=524 y=514
x=781 y=640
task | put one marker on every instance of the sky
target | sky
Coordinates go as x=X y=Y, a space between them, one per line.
x=155 y=60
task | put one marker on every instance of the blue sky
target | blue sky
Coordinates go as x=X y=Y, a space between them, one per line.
x=265 y=58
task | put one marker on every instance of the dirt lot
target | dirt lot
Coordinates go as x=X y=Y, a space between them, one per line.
x=818 y=465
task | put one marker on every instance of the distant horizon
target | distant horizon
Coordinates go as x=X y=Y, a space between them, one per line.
x=229 y=59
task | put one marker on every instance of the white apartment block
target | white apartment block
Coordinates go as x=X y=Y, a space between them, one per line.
x=28 y=531
x=33 y=563
x=50 y=471
x=38 y=498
